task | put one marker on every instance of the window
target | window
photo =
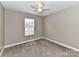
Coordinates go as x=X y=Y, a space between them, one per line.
x=29 y=26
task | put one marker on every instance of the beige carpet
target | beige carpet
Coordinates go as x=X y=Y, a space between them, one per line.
x=39 y=48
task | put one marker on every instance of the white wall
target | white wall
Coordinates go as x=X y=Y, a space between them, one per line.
x=63 y=26
x=1 y=26
x=14 y=27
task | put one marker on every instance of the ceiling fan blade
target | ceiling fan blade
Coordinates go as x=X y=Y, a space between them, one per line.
x=38 y=11
x=35 y=10
x=43 y=3
x=34 y=7
x=46 y=9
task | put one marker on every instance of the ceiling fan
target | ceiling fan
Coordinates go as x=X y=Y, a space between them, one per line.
x=40 y=7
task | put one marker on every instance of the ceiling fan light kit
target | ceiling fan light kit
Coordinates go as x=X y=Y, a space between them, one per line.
x=40 y=10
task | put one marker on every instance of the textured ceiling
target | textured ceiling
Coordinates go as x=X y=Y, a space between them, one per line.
x=24 y=6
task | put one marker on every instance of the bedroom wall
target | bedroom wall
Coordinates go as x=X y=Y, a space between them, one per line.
x=1 y=25
x=63 y=26
x=14 y=27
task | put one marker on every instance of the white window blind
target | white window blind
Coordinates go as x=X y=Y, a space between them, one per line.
x=29 y=26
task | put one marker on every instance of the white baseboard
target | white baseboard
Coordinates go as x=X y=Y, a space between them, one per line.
x=62 y=44
x=22 y=42
x=1 y=52
x=59 y=43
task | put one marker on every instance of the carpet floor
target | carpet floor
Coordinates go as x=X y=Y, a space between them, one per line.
x=39 y=48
